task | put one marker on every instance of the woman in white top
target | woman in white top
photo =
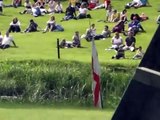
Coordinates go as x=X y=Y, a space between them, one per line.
x=28 y=6
x=51 y=5
x=51 y=25
x=83 y=12
x=59 y=8
x=117 y=41
x=15 y=25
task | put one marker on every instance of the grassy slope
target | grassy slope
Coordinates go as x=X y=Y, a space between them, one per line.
x=43 y=46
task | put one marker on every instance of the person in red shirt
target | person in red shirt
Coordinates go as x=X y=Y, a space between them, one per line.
x=107 y=3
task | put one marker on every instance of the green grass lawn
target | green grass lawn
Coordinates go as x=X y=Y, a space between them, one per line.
x=43 y=46
x=39 y=112
x=37 y=46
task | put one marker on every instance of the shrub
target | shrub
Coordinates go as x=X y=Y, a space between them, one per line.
x=61 y=81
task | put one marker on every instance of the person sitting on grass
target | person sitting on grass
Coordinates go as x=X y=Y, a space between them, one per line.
x=52 y=26
x=139 y=54
x=115 y=17
x=59 y=8
x=36 y=10
x=28 y=6
x=15 y=25
x=7 y=40
x=119 y=27
x=16 y=3
x=76 y=40
x=105 y=33
x=32 y=26
x=130 y=42
x=51 y=6
x=40 y=4
x=120 y=54
x=90 y=33
x=117 y=41
x=135 y=26
x=70 y=13
x=83 y=12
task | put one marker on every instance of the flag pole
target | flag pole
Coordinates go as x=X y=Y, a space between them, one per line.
x=58 y=49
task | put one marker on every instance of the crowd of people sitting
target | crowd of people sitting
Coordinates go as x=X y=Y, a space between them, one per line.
x=129 y=26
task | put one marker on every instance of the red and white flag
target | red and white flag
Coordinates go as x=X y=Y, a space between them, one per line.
x=96 y=77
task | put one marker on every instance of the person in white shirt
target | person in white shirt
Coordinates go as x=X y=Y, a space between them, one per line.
x=117 y=41
x=7 y=40
x=36 y=10
x=51 y=25
x=15 y=25
x=51 y=5
x=28 y=6
x=59 y=8
x=83 y=12
x=90 y=33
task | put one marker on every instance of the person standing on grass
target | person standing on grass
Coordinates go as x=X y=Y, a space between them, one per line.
x=7 y=40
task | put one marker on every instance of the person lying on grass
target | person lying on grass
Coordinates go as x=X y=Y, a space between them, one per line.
x=137 y=4
x=65 y=44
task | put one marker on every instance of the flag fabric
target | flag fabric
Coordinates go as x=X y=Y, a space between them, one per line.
x=96 y=78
